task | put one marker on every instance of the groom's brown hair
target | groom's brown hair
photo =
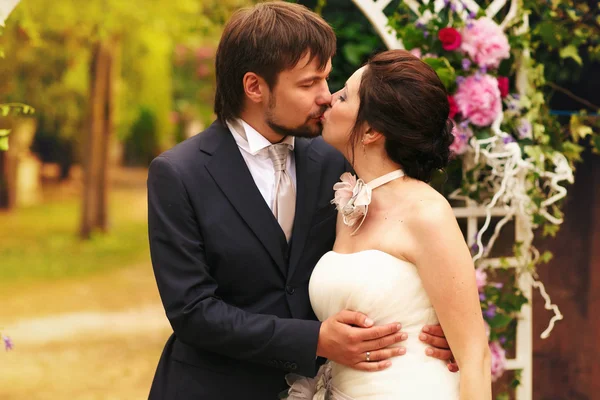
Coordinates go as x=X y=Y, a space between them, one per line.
x=266 y=39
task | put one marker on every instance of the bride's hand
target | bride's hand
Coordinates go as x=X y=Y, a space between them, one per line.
x=348 y=336
x=434 y=336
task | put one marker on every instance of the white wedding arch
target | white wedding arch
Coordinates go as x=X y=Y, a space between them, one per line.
x=508 y=178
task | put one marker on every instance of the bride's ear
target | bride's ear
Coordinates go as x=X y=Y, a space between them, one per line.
x=371 y=136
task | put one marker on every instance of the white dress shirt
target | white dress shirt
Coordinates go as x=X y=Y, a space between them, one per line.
x=254 y=149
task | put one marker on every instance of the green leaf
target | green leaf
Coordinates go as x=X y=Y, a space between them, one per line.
x=443 y=69
x=412 y=37
x=573 y=15
x=571 y=52
x=572 y=151
x=355 y=52
x=503 y=396
x=578 y=129
x=546 y=257
x=500 y=321
x=550 y=230
x=548 y=34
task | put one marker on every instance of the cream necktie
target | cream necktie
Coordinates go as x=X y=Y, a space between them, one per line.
x=284 y=204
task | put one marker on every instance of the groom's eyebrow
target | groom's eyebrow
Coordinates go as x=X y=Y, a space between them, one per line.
x=313 y=78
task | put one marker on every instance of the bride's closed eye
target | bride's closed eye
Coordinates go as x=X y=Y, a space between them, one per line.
x=341 y=97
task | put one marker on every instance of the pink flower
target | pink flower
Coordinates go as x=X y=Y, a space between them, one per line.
x=453 y=107
x=450 y=38
x=498 y=360
x=481 y=278
x=478 y=99
x=416 y=52
x=485 y=42
x=503 y=85
x=461 y=139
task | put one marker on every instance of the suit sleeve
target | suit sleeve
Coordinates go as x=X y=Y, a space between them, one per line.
x=199 y=318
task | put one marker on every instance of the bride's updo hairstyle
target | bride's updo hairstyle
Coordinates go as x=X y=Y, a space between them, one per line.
x=402 y=98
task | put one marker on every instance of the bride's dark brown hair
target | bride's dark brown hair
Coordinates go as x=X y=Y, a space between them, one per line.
x=402 y=98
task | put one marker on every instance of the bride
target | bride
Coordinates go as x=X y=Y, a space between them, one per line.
x=399 y=255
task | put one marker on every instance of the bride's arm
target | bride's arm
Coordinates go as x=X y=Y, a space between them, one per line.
x=442 y=257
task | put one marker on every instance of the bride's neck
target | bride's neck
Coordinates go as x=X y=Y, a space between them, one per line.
x=369 y=167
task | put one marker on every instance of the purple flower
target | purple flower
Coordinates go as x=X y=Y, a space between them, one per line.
x=8 y=343
x=453 y=7
x=460 y=80
x=472 y=14
x=466 y=64
x=524 y=129
x=516 y=96
x=446 y=2
x=502 y=340
x=491 y=311
x=470 y=25
x=419 y=25
x=425 y=33
x=482 y=297
x=508 y=139
x=483 y=70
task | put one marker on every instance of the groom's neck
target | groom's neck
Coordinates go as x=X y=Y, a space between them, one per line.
x=257 y=121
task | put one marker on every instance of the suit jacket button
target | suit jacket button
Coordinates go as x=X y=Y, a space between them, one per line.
x=290 y=290
x=294 y=366
x=287 y=365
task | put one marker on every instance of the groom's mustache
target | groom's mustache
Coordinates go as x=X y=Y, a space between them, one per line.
x=319 y=113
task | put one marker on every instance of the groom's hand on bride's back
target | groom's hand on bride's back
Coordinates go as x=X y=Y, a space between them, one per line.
x=348 y=336
x=434 y=336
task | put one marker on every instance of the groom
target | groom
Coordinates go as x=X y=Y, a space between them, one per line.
x=240 y=214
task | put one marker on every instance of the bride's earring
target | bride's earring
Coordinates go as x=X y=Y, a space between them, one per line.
x=364 y=148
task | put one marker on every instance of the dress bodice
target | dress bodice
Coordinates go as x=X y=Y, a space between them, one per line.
x=387 y=290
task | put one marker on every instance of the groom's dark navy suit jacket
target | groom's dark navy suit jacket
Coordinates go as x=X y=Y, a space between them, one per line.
x=234 y=291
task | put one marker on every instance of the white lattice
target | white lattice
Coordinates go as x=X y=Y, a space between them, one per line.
x=509 y=163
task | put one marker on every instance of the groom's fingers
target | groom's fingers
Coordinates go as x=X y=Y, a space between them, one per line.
x=378 y=332
x=382 y=355
x=354 y=318
x=373 y=366
x=382 y=342
x=435 y=330
x=438 y=353
x=440 y=343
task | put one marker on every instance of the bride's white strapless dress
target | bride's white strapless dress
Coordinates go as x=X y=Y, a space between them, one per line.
x=388 y=290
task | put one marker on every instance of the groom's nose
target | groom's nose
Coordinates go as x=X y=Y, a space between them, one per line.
x=324 y=99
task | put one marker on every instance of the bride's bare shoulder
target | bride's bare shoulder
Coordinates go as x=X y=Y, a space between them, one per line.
x=428 y=208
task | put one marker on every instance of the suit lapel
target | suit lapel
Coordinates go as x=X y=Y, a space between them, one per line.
x=230 y=172
x=308 y=178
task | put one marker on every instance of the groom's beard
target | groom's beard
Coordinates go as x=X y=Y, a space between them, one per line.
x=309 y=129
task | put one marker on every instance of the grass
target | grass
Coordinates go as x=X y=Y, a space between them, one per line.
x=41 y=243
x=52 y=283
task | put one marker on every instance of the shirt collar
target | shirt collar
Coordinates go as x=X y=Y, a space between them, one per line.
x=250 y=140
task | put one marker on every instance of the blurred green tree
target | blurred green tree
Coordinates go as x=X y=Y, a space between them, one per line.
x=93 y=67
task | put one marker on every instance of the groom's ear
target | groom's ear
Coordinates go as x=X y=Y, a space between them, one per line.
x=255 y=87
x=371 y=136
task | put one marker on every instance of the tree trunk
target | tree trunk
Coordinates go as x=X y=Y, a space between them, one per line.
x=103 y=75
